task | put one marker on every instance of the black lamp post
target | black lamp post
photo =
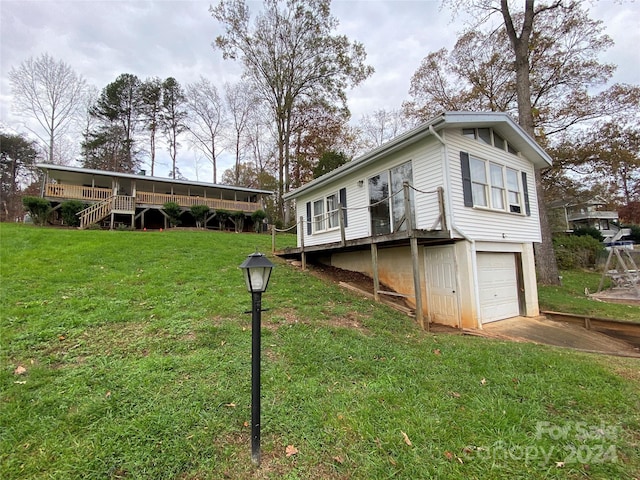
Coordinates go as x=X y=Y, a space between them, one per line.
x=257 y=270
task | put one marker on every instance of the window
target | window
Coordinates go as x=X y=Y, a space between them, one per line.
x=379 y=204
x=513 y=191
x=489 y=137
x=491 y=185
x=325 y=213
x=386 y=200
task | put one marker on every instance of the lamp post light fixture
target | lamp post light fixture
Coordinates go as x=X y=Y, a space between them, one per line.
x=257 y=271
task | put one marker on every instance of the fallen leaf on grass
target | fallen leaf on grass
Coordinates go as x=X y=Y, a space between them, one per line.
x=437 y=351
x=20 y=382
x=483 y=381
x=448 y=454
x=392 y=461
x=20 y=370
x=108 y=394
x=454 y=394
x=559 y=464
x=230 y=405
x=290 y=451
x=406 y=438
x=245 y=424
x=339 y=459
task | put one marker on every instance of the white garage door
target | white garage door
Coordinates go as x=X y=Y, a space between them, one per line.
x=498 y=286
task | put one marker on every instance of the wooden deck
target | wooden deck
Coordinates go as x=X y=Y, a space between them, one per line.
x=145 y=199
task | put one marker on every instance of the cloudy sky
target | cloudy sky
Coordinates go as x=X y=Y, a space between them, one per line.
x=101 y=39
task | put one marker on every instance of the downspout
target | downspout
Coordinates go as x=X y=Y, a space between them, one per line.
x=451 y=221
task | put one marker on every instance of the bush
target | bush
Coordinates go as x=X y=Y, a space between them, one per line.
x=590 y=231
x=635 y=234
x=199 y=213
x=222 y=216
x=257 y=217
x=174 y=211
x=38 y=208
x=69 y=211
x=574 y=251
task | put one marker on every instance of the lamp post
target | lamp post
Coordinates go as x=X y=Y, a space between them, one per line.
x=257 y=270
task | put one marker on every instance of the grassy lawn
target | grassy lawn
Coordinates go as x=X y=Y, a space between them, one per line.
x=571 y=298
x=126 y=355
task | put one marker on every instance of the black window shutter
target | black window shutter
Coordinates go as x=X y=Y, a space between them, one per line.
x=343 y=202
x=308 y=218
x=525 y=192
x=466 y=179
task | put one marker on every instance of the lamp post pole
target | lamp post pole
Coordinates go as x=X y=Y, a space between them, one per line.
x=257 y=270
x=256 y=314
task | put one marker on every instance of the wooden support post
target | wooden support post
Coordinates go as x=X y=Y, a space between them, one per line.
x=374 y=267
x=303 y=256
x=443 y=218
x=415 y=257
x=273 y=239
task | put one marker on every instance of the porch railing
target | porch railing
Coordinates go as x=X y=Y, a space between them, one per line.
x=80 y=192
x=77 y=192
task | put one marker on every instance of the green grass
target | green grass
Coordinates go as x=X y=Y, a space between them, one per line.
x=137 y=356
x=572 y=297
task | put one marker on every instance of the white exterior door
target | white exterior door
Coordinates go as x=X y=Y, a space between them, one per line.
x=440 y=269
x=498 y=286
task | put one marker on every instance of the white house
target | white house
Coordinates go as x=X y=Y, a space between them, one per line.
x=468 y=182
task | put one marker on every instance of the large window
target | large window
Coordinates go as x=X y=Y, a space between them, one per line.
x=386 y=215
x=491 y=185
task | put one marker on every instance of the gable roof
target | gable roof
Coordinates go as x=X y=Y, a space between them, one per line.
x=501 y=122
x=75 y=171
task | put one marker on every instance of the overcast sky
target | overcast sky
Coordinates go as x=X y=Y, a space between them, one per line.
x=101 y=39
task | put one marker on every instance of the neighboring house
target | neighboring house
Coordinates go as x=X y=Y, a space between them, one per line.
x=137 y=200
x=575 y=213
x=448 y=209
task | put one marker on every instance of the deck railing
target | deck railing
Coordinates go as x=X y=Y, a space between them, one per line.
x=148 y=198
x=80 y=192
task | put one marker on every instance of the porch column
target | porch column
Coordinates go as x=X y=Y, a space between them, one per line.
x=415 y=264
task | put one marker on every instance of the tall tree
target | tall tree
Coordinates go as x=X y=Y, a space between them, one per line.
x=17 y=165
x=551 y=51
x=50 y=92
x=118 y=112
x=289 y=54
x=206 y=120
x=150 y=112
x=174 y=113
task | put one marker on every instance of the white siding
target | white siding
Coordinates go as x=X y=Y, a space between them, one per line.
x=426 y=158
x=490 y=225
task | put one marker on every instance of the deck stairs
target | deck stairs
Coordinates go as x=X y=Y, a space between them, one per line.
x=96 y=212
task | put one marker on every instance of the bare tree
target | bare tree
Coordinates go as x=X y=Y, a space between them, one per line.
x=381 y=126
x=206 y=119
x=240 y=103
x=50 y=92
x=290 y=54
x=150 y=112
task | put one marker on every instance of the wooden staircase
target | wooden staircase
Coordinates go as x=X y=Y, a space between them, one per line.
x=100 y=210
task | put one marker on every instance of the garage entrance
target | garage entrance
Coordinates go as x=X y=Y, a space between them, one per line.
x=498 y=286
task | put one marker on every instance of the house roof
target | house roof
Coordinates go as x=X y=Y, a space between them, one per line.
x=501 y=122
x=74 y=172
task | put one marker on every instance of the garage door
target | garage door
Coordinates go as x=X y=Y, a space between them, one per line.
x=498 y=286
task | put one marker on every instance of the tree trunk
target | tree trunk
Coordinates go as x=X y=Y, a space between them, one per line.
x=546 y=265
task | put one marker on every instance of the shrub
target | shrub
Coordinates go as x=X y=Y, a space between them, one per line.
x=69 y=210
x=574 y=251
x=238 y=220
x=257 y=217
x=635 y=233
x=38 y=208
x=174 y=211
x=222 y=216
x=590 y=231
x=199 y=213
